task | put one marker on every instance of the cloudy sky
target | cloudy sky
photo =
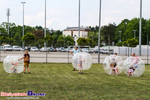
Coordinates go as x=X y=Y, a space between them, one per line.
x=64 y=13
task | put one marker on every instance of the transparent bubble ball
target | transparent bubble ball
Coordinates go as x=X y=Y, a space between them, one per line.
x=82 y=60
x=113 y=65
x=12 y=65
x=134 y=62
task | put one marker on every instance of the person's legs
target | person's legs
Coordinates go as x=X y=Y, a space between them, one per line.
x=24 y=68
x=73 y=69
x=82 y=69
x=28 y=68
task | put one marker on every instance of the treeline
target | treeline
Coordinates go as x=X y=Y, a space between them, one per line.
x=33 y=36
x=111 y=34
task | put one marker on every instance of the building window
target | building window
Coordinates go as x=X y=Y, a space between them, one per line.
x=72 y=33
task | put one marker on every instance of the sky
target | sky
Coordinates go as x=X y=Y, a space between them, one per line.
x=64 y=13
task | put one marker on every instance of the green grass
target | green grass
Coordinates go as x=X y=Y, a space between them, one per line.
x=58 y=81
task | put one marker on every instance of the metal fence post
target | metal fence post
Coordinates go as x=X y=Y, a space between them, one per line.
x=0 y=51
x=68 y=51
x=46 y=51
x=128 y=49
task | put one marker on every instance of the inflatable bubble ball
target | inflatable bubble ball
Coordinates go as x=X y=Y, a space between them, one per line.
x=134 y=66
x=82 y=60
x=12 y=65
x=113 y=65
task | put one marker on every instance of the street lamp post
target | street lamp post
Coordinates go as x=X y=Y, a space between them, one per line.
x=45 y=26
x=8 y=14
x=140 y=26
x=99 y=32
x=134 y=33
x=79 y=21
x=23 y=25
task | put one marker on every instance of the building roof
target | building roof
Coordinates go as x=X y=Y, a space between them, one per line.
x=76 y=29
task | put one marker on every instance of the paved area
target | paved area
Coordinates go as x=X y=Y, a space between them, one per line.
x=57 y=57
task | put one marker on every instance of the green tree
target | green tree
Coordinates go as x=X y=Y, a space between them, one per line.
x=61 y=41
x=121 y=27
x=29 y=38
x=49 y=40
x=108 y=32
x=82 y=41
x=16 y=39
x=69 y=40
x=4 y=40
x=132 y=42
x=119 y=44
x=39 y=34
x=39 y=43
x=146 y=31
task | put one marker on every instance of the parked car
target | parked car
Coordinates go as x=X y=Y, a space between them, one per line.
x=91 y=51
x=107 y=51
x=44 y=49
x=7 y=47
x=63 y=50
x=96 y=50
x=52 y=49
x=17 y=48
x=34 y=49
x=85 y=50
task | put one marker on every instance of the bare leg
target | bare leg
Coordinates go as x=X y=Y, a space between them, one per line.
x=28 y=68
x=81 y=68
x=24 y=68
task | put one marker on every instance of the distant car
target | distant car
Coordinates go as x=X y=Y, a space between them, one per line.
x=63 y=50
x=17 y=48
x=91 y=51
x=96 y=50
x=52 y=49
x=107 y=51
x=44 y=49
x=7 y=47
x=34 y=49
x=85 y=50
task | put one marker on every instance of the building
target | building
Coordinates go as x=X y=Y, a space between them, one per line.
x=73 y=31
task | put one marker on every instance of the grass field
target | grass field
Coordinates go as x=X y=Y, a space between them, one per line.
x=58 y=81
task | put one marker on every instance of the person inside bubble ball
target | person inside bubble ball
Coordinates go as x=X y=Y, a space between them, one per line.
x=73 y=52
x=134 y=60
x=114 y=63
x=134 y=65
x=80 y=64
x=131 y=71
x=13 y=67
x=26 y=61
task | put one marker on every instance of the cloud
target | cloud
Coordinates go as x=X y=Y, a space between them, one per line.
x=116 y=11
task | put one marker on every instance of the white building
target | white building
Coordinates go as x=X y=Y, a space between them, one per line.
x=73 y=31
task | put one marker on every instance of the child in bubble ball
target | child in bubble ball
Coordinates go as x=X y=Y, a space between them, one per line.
x=114 y=64
x=80 y=65
x=13 y=67
x=26 y=61
x=131 y=71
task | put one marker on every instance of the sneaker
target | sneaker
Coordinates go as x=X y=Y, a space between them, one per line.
x=81 y=72
x=23 y=72
x=74 y=69
x=29 y=73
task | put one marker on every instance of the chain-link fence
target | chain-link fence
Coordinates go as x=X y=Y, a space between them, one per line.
x=56 y=53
